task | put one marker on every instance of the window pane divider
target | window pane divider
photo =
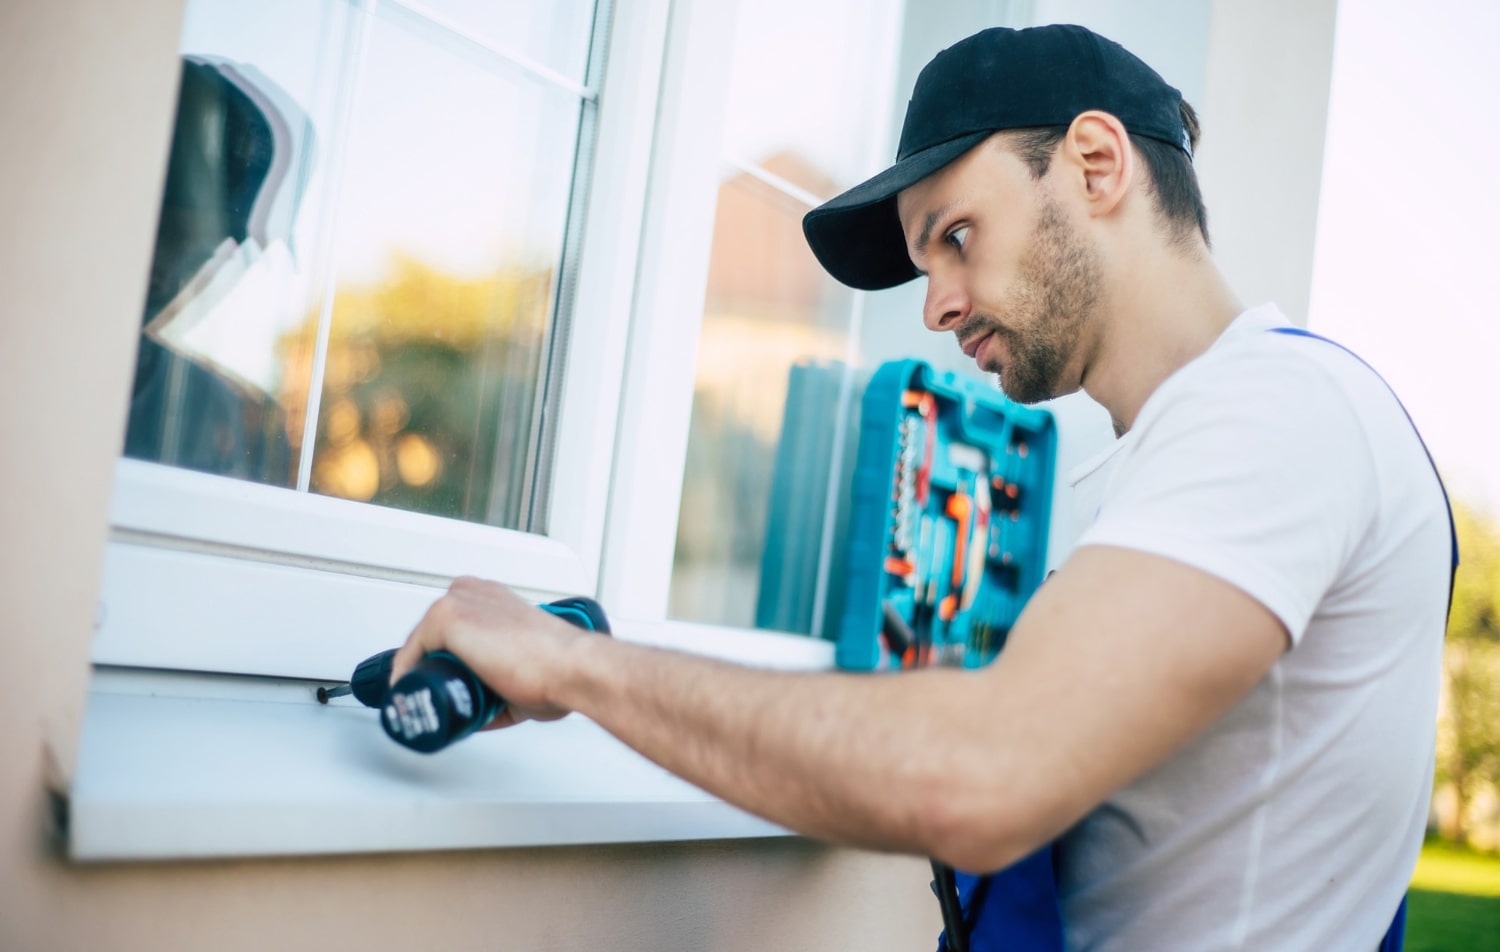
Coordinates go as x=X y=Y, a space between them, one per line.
x=542 y=445
x=328 y=280
x=525 y=63
x=787 y=188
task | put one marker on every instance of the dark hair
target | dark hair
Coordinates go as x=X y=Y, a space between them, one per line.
x=1171 y=174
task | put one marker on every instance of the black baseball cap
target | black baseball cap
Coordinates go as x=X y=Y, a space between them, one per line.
x=997 y=79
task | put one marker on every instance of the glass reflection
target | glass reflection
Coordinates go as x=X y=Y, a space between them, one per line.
x=221 y=374
x=766 y=419
x=454 y=207
x=412 y=329
x=769 y=309
x=554 y=34
x=813 y=89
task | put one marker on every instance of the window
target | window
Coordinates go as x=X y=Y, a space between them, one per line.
x=361 y=301
x=380 y=347
x=774 y=376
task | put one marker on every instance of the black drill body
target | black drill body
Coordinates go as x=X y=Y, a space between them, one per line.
x=440 y=700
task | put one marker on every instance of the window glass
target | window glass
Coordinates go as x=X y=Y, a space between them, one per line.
x=454 y=205
x=814 y=91
x=234 y=269
x=554 y=34
x=364 y=225
x=770 y=404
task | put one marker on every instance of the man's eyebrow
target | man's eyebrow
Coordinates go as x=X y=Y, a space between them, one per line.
x=928 y=224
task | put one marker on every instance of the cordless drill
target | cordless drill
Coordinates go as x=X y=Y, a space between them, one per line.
x=440 y=700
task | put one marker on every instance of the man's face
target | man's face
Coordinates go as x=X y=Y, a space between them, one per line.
x=1006 y=271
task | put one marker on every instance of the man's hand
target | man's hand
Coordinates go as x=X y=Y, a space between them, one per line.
x=513 y=646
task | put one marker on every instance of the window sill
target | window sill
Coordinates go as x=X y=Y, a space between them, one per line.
x=178 y=765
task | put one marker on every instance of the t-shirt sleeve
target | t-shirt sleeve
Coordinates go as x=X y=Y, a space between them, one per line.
x=1254 y=469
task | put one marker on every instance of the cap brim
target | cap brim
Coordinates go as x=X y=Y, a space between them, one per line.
x=857 y=236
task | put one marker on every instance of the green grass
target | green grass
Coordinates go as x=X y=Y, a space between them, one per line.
x=1452 y=869
x=1454 y=903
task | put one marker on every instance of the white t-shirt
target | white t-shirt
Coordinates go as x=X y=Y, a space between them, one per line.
x=1286 y=467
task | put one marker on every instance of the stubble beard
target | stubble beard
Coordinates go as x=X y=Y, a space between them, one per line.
x=1057 y=293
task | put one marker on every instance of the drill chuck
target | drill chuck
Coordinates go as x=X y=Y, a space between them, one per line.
x=368 y=684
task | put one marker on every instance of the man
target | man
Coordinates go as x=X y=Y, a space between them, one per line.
x=1222 y=704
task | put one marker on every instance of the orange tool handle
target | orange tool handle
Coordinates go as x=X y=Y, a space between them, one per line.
x=961 y=509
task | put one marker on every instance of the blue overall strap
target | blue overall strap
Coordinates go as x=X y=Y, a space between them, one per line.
x=1452 y=527
x=1014 y=910
x=1395 y=935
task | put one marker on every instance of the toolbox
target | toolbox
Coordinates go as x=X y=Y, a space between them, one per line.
x=949 y=511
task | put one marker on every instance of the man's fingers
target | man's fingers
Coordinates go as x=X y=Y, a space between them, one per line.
x=506 y=718
x=429 y=635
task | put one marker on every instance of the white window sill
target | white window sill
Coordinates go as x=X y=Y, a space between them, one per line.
x=176 y=765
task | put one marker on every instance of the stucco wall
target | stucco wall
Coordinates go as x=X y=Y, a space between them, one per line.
x=86 y=108
x=1260 y=162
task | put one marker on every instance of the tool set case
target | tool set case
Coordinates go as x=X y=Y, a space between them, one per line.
x=951 y=502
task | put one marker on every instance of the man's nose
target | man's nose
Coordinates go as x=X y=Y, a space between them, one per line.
x=947 y=303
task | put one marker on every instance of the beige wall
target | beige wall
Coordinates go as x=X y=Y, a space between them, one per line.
x=85 y=105
x=1265 y=119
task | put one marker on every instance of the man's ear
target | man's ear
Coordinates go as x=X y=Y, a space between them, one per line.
x=1098 y=147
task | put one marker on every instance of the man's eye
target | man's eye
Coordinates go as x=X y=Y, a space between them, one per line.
x=958 y=236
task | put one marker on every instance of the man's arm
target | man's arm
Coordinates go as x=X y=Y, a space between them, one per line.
x=1117 y=661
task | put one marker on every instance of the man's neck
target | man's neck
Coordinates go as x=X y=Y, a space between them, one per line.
x=1167 y=312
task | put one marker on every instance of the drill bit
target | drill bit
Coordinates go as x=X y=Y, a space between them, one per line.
x=325 y=693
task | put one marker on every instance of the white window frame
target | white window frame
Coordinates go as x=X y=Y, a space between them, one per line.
x=640 y=542
x=225 y=537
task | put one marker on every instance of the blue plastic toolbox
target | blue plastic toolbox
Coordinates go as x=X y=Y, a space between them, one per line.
x=951 y=502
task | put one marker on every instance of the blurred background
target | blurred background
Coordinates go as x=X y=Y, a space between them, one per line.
x=1404 y=273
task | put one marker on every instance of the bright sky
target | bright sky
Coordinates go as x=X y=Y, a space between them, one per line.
x=1406 y=267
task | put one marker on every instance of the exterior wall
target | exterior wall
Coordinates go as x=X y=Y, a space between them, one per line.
x=1260 y=162
x=87 y=102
